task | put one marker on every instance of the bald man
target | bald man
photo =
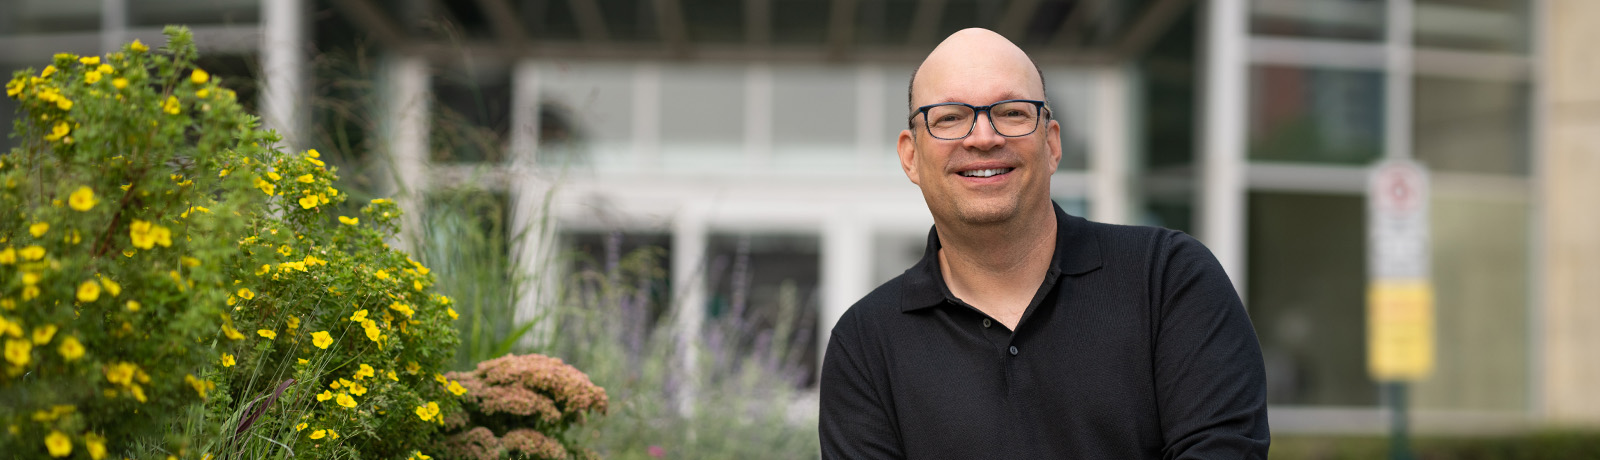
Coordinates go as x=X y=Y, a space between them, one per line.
x=1024 y=332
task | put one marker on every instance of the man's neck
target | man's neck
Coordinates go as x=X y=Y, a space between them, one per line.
x=998 y=269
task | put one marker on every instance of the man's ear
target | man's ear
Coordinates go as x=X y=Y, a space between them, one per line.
x=1053 y=140
x=907 y=148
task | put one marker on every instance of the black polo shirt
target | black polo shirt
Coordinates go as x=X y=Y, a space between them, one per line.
x=1136 y=346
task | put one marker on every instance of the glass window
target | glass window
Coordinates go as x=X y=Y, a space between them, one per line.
x=471 y=114
x=763 y=300
x=1072 y=102
x=633 y=267
x=893 y=253
x=1307 y=295
x=1478 y=25
x=1471 y=126
x=156 y=13
x=1316 y=115
x=49 y=16
x=1480 y=279
x=586 y=110
x=814 y=112
x=702 y=112
x=1336 y=19
x=1166 y=96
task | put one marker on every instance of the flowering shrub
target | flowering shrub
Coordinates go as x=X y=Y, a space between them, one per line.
x=531 y=400
x=174 y=286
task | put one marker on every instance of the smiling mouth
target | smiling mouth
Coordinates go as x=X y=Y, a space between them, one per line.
x=985 y=172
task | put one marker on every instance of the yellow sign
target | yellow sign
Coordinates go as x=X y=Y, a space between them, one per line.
x=1400 y=329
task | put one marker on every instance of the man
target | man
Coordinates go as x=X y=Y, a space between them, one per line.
x=1026 y=333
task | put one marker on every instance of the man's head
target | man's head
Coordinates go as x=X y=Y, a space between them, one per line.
x=979 y=67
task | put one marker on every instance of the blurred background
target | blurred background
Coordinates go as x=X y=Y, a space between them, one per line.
x=706 y=185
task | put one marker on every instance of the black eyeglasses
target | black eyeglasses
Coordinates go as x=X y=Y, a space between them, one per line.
x=955 y=120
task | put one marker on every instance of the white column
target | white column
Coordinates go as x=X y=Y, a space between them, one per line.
x=846 y=270
x=532 y=224
x=758 y=114
x=1109 y=159
x=689 y=241
x=1222 y=124
x=647 y=114
x=1397 y=82
x=113 y=24
x=283 y=63
x=407 y=120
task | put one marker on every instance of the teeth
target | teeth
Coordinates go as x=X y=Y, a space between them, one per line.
x=985 y=172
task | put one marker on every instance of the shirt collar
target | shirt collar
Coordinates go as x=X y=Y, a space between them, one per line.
x=1077 y=252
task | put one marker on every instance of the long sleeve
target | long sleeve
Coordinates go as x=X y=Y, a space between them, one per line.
x=1209 y=376
x=854 y=422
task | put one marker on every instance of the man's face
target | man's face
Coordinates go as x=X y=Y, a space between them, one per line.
x=949 y=171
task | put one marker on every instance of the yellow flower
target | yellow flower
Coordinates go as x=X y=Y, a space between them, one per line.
x=32 y=252
x=58 y=131
x=246 y=293
x=321 y=339
x=48 y=70
x=306 y=179
x=200 y=386
x=171 y=105
x=302 y=361
x=315 y=161
x=89 y=291
x=452 y=312
x=120 y=373
x=273 y=175
x=105 y=69
x=263 y=270
x=345 y=400
x=140 y=232
x=138 y=393
x=308 y=201
x=300 y=427
x=440 y=378
x=265 y=186
x=402 y=308
x=96 y=445
x=70 y=349
x=456 y=388
x=319 y=434
x=359 y=315
x=285 y=250
x=133 y=305
x=326 y=395
x=119 y=82
x=293 y=322
x=202 y=93
x=64 y=103
x=43 y=334
x=364 y=372
x=136 y=46
x=381 y=201
x=425 y=414
x=228 y=361
x=19 y=352
x=188 y=261
x=111 y=287
x=30 y=292
x=8 y=256
x=38 y=229
x=268 y=333
x=349 y=220
x=412 y=367
x=199 y=76
x=89 y=60
x=91 y=77
x=58 y=444
x=393 y=377
x=231 y=333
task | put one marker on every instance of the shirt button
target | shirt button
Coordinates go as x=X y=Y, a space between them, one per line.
x=1013 y=350
x=987 y=323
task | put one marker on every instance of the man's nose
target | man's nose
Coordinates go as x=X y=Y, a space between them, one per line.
x=983 y=136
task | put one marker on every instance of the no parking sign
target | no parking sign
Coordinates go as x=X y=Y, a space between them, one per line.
x=1400 y=319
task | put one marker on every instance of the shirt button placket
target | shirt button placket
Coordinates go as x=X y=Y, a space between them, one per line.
x=1013 y=350
x=987 y=323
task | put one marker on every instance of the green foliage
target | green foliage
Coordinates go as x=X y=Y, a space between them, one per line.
x=1543 y=445
x=174 y=285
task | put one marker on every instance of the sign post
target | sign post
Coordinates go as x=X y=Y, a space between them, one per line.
x=1400 y=317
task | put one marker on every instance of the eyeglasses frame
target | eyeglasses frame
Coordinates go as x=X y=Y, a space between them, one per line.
x=1041 y=108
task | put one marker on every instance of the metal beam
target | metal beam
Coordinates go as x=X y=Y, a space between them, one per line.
x=504 y=21
x=731 y=52
x=674 y=29
x=369 y=17
x=841 y=27
x=1149 y=27
x=591 y=25
x=1080 y=14
x=1014 y=21
x=924 y=21
x=758 y=22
